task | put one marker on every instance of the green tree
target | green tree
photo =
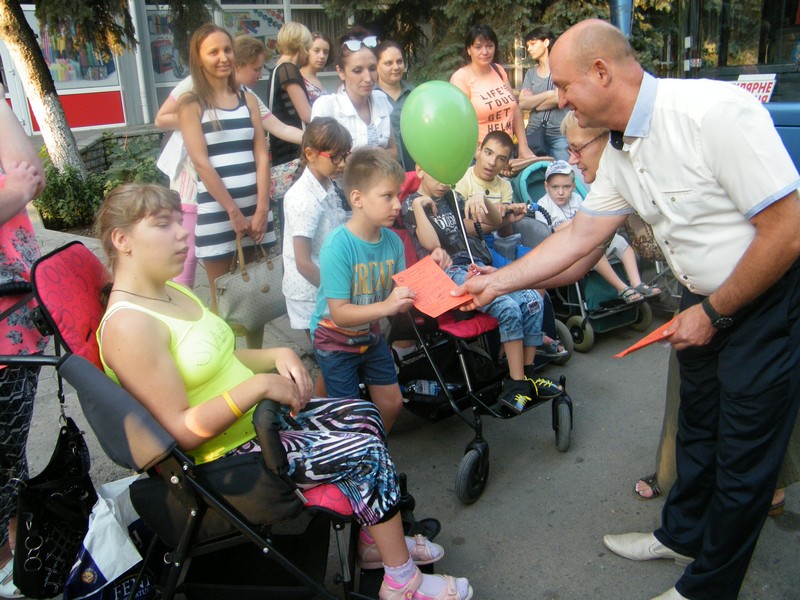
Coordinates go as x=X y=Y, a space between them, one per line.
x=106 y=24
x=437 y=55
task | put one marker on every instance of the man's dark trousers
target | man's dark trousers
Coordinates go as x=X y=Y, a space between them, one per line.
x=739 y=400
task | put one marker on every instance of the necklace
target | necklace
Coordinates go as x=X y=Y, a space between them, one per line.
x=168 y=300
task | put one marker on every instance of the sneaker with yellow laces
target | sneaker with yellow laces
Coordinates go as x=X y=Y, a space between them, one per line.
x=516 y=394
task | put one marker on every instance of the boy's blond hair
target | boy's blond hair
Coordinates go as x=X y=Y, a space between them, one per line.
x=367 y=166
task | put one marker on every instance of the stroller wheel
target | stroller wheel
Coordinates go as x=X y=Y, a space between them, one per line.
x=643 y=318
x=473 y=471
x=582 y=333
x=562 y=423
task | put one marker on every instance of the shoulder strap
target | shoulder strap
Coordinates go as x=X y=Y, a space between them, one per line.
x=497 y=70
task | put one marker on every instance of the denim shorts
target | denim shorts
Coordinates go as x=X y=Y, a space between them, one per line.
x=343 y=371
x=519 y=313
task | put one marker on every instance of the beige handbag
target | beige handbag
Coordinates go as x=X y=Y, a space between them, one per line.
x=250 y=295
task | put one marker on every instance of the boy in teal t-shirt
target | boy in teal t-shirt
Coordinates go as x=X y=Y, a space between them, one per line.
x=357 y=261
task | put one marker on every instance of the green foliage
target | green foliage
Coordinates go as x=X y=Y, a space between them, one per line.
x=438 y=54
x=186 y=16
x=132 y=159
x=68 y=200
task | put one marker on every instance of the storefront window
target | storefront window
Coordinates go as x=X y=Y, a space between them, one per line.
x=70 y=66
x=749 y=32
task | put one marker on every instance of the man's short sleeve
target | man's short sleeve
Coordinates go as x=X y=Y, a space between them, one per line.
x=746 y=155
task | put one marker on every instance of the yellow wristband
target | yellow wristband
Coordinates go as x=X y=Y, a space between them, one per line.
x=232 y=405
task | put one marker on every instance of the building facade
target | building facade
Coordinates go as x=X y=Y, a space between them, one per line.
x=128 y=89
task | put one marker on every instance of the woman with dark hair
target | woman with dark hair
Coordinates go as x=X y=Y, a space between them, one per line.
x=363 y=110
x=319 y=57
x=486 y=85
x=391 y=69
x=540 y=97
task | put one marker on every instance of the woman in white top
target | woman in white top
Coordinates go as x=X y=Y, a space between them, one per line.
x=363 y=110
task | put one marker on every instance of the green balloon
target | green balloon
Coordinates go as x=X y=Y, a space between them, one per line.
x=440 y=130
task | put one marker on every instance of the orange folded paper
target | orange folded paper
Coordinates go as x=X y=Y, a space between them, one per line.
x=431 y=286
x=656 y=336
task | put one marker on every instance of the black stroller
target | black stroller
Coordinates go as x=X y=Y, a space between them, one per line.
x=275 y=538
x=455 y=370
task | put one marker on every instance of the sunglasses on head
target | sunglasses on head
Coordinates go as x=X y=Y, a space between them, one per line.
x=336 y=159
x=355 y=45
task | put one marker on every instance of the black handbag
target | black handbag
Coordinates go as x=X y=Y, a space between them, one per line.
x=53 y=517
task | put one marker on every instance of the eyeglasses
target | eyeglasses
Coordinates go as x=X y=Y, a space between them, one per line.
x=355 y=45
x=336 y=159
x=576 y=152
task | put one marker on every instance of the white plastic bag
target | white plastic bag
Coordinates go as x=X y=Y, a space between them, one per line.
x=108 y=555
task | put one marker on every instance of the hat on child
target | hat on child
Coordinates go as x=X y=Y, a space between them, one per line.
x=559 y=167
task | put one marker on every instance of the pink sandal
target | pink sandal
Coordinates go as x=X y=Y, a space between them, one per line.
x=424 y=552
x=410 y=591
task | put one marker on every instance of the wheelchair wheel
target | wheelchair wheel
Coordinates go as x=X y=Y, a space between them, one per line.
x=473 y=472
x=581 y=332
x=565 y=337
x=643 y=318
x=563 y=426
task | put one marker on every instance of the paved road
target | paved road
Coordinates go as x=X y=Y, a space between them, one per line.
x=536 y=531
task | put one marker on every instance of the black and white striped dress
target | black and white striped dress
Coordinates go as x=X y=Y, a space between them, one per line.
x=230 y=151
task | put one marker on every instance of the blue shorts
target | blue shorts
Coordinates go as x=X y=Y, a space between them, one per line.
x=343 y=371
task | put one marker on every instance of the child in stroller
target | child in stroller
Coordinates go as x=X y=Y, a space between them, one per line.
x=433 y=216
x=561 y=202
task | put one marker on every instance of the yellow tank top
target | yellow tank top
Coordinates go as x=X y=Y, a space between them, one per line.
x=203 y=352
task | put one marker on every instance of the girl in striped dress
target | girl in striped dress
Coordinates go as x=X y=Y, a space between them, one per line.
x=221 y=128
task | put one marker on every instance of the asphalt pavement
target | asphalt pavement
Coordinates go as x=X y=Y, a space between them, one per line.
x=536 y=532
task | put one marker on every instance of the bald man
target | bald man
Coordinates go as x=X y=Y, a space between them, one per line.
x=702 y=163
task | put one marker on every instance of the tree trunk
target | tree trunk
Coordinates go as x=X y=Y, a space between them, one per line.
x=39 y=87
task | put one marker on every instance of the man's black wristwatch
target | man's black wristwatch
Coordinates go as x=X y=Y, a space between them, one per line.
x=717 y=320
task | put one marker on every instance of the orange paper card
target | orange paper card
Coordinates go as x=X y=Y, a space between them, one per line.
x=431 y=286
x=656 y=336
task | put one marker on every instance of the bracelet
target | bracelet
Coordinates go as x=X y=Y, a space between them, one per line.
x=232 y=405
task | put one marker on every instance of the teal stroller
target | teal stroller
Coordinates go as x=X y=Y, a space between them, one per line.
x=591 y=305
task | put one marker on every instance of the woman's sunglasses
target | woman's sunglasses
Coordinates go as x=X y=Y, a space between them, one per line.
x=336 y=159
x=355 y=45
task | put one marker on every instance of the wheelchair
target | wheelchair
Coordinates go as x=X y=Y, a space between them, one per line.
x=244 y=508
x=459 y=352
x=591 y=305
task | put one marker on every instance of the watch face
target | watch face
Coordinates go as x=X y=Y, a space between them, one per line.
x=723 y=322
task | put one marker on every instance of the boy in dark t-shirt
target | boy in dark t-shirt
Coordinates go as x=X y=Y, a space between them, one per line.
x=434 y=216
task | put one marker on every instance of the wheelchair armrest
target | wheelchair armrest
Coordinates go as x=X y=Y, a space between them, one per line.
x=267 y=427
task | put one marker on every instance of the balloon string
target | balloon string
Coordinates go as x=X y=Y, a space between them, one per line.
x=461 y=221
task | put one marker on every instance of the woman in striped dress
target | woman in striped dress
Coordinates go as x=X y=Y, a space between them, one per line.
x=221 y=129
